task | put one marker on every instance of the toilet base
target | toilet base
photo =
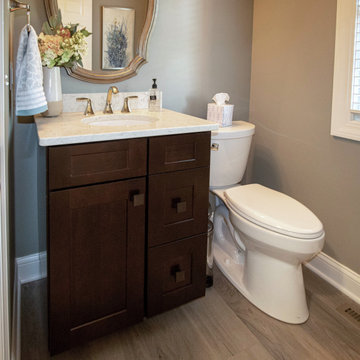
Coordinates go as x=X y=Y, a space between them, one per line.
x=232 y=270
x=231 y=263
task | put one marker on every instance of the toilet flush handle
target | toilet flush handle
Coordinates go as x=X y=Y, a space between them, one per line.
x=214 y=147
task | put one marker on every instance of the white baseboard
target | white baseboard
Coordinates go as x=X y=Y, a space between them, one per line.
x=338 y=275
x=28 y=268
x=31 y=267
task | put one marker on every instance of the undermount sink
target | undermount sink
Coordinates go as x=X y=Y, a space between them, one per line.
x=119 y=120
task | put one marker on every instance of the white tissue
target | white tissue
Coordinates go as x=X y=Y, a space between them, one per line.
x=221 y=112
x=221 y=98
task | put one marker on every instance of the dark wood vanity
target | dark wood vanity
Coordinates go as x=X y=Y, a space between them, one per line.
x=127 y=223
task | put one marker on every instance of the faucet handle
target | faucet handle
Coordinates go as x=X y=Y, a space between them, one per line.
x=88 y=110
x=126 y=108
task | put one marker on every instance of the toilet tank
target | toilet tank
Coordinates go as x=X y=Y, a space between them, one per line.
x=228 y=163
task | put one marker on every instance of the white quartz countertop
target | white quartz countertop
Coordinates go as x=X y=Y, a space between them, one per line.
x=69 y=128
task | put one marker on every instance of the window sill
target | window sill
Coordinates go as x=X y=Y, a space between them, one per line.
x=348 y=130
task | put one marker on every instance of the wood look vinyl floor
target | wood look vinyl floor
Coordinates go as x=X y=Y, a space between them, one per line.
x=223 y=326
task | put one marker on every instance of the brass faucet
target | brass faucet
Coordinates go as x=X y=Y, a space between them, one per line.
x=126 y=108
x=112 y=90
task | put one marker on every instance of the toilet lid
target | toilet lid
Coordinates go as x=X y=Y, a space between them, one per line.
x=274 y=210
x=238 y=130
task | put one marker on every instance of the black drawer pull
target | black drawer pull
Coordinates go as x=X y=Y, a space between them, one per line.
x=178 y=274
x=179 y=205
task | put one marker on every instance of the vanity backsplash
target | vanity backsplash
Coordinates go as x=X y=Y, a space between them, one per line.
x=99 y=99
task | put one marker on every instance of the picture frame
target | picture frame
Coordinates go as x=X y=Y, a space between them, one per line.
x=118 y=27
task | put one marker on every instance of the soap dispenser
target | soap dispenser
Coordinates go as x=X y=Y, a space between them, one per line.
x=154 y=100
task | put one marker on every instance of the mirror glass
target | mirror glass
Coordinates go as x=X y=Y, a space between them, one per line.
x=120 y=30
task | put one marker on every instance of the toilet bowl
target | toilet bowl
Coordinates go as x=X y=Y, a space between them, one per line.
x=261 y=236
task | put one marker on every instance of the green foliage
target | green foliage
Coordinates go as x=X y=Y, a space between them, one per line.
x=46 y=29
x=85 y=32
x=54 y=24
x=73 y=28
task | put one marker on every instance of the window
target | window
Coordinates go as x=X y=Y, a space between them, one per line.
x=355 y=89
x=345 y=119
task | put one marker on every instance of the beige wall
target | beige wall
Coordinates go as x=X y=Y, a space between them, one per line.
x=291 y=91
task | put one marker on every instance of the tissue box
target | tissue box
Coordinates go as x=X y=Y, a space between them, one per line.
x=222 y=114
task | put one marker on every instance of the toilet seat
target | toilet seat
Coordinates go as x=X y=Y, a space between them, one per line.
x=274 y=211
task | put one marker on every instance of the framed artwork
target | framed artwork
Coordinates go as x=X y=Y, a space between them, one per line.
x=118 y=26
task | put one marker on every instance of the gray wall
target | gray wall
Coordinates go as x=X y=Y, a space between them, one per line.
x=29 y=236
x=291 y=94
x=197 y=48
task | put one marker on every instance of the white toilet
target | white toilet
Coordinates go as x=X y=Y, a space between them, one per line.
x=261 y=236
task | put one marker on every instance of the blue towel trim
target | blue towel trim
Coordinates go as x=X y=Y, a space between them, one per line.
x=32 y=111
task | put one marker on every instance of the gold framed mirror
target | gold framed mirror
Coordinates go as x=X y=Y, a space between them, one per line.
x=102 y=66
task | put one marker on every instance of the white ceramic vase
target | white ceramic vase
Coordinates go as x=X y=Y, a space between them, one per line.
x=53 y=93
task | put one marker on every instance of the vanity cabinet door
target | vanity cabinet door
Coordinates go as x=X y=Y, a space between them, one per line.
x=178 y=204
x=96 y=261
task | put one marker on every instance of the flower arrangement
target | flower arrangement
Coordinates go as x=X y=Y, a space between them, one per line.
x=61 y=45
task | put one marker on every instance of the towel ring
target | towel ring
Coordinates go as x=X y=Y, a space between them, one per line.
x=17 y=5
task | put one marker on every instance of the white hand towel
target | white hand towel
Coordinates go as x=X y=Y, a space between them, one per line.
x=30 y=98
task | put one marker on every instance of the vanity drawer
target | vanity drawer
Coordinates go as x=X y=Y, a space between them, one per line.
x=178 y=152
x=176 y=274
x=83 y=164
x=177 y=206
